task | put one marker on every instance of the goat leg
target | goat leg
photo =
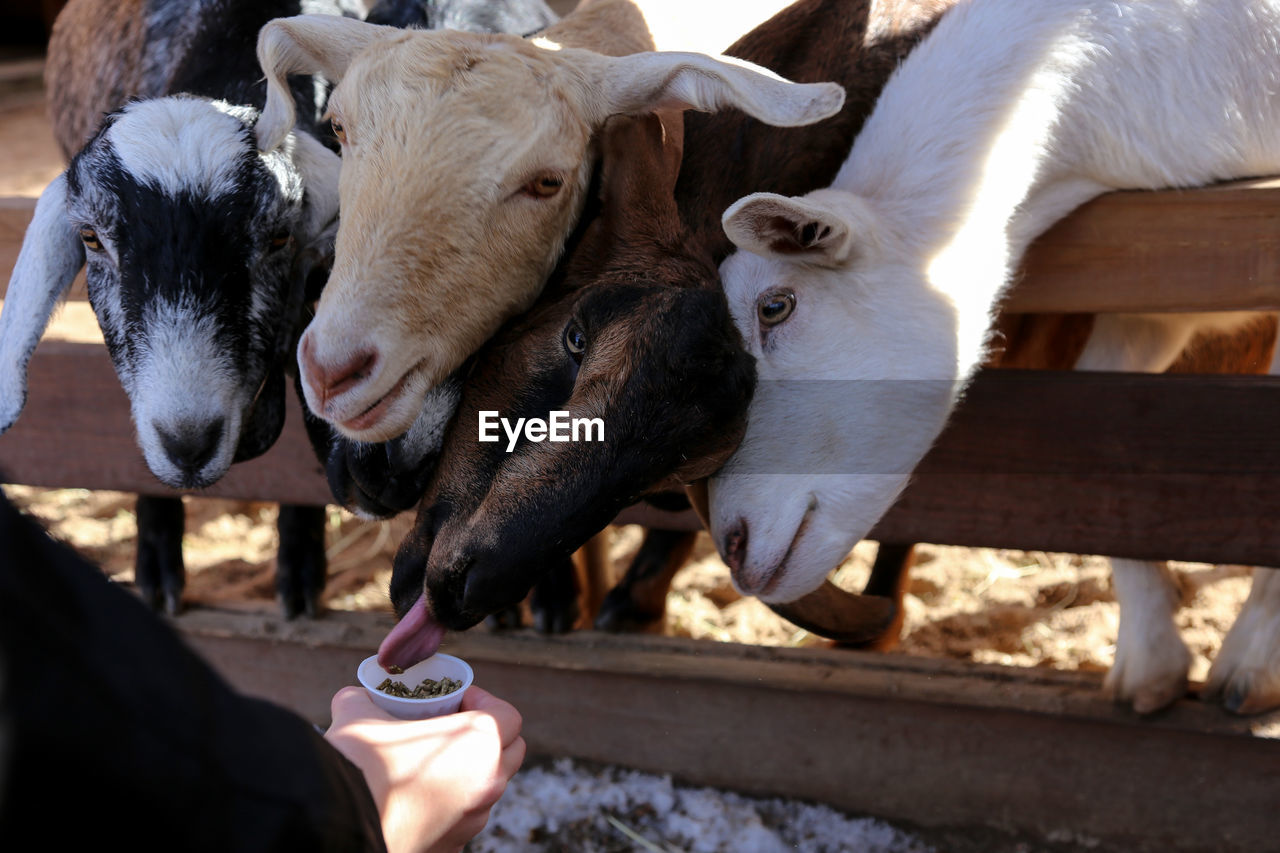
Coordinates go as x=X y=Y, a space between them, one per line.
x=639 y=601
x=505 y=619
x=888 y=579
x=159 y=572
x=554 y=601
x=300 y=561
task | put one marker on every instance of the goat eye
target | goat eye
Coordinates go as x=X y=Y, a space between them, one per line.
x=575 y=342
x=543 y=186
x=773 y=308
x=280 y=239
x=90 y=238
x=338 y=130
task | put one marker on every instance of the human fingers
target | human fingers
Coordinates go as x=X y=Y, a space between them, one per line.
x=512 y=757
x=508 y=718
x=353 y=703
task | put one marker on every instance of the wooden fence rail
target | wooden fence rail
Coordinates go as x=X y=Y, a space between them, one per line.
x=932 y=743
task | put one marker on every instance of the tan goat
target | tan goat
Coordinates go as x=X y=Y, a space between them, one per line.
x=466 y=161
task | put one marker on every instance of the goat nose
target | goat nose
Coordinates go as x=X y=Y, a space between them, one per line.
x=734 y=549
x=327 y=381
x=190 y=444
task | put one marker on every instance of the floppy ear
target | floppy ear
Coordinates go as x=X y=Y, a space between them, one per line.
x=306 y=44
x=775 y=225
x=51 y=256
x=319 y=168
x=643 y=82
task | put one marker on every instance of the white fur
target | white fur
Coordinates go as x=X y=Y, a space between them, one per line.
x=1150 y=669
x=183 y=377
x=1007 y=116
x=1151 y=662
x=1246 y=672
x=426 y=436
x=180 y=145
x=51 y=256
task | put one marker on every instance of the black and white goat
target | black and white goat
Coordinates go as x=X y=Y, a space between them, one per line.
x=475 y=16
x=197 y=247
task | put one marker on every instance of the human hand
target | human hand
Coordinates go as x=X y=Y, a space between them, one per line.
x=434 y=781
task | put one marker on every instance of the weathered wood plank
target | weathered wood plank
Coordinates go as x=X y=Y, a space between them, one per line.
x=935 y=743
x=1127 y=465
x=1186 y=250
x=1211 y=249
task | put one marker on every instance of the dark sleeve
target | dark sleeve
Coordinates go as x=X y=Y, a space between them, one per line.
x=111 y=729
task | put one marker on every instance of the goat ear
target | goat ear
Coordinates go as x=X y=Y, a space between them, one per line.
x=643 y=82
x=319 y=168
x=51 y=256
x=306 y=44
x=639 y=165
x=775 y=225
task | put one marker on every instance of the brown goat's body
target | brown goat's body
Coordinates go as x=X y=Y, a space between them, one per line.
x=1055 y=342
x=665 y=368
x=85 y=75
x=653 y=250
x=611 y=27
x=856 y=43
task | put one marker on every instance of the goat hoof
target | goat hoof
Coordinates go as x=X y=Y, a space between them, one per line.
x=1150 y=671
x=554 y=605
x=620 y=614
x=1245 y=676
x=505 y=619
x=149 y=594
x=555 y=619
x=173 y=602
x=300 y=602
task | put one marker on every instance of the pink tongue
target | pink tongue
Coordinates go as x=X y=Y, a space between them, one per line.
x=415 y=637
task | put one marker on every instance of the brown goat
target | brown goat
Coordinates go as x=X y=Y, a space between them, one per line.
x=633 y=329
x=628 y=333
x=466 y=161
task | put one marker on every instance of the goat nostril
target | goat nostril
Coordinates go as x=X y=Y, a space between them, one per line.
x=735 y=546
x=190 y=445
x=330 y=381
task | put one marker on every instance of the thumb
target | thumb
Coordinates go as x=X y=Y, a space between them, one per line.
x=353 y=703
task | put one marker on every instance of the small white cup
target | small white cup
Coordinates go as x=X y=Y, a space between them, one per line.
x=436 y=667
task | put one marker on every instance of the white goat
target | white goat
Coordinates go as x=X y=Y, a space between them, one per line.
x=1009 y=115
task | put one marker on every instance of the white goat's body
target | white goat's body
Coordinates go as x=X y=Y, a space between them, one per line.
x=1048 y=105
x=1008 y=116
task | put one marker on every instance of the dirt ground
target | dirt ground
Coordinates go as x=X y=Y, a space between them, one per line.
x=991 y=606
